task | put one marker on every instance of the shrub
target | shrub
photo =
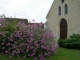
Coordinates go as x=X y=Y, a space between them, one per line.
x=31 y=40
x=1 y=38
x=73 y=42
x=9 y=26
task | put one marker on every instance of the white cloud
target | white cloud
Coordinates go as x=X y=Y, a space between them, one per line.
x=30 y=9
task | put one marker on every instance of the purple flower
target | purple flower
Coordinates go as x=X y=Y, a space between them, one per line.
x=49 y=53
x=2 y=48
x=41 y=57
x=34 y=50
x=31 y=47
x=14 y=51
x=8 y=44
x=18 y=51
x=39 y=35
x=53 y=48
x=43 y=42
x=37 y=45
x=12 y=54
x=11 y=40
x=2 y=43
x=27 y=50
x=30 y=55
x=45 y=54
x=6 y=51
x=2 y=20
x=47 y=48
x=41 y=24
x=31 y=35
x=24 y=56
x=42 y=47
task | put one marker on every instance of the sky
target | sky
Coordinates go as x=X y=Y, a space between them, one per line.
x=28 y=9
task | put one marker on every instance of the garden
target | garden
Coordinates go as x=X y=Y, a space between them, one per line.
x=19 y=41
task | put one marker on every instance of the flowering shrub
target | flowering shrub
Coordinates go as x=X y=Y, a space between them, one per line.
x=31 y=40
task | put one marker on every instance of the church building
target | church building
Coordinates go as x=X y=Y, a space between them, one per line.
x=63 y=18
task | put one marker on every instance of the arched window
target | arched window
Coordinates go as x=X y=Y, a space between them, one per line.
x=59 y=8
x=62 y=1
x=66 y=9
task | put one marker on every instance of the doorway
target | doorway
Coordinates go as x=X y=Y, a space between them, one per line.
x=63 y=29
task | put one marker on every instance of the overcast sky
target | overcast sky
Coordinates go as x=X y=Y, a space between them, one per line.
x=29 y=9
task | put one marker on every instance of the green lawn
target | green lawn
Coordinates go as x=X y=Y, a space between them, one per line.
x=66 y=54
x=62 y=54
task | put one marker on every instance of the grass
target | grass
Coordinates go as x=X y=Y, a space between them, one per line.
x=66 y=54
x=62 y=54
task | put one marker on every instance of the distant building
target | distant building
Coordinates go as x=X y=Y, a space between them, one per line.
x=17 y=19
x=2 y=20
x=63 y=18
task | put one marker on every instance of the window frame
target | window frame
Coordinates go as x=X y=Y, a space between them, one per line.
x=59 y=10
x=66 y=9
x=62 y=1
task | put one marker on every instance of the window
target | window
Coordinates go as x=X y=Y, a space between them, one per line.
x=66 y=9
x=59 y=10
x=62 y=1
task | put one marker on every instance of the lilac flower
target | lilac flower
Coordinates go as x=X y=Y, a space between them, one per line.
x=31 y=47
x=24 y=56
x=1 y=33
x=43 y=42
x=31 y=35
x=37 y=45
x=53 y=48
x=39 y=35
x=17 y=52
x=45 y=54
x=8 y=44
x=41 y=24
x=34 y=50
x=12 y=54
x=6 y=51
x=14 y=51
x=2 y=48
x=2 y=43
x=41 y=57
x=2 y=20
x=27 y=50
x=35 y=26
x=49 y=53
x=30 y=55
x=47 y=48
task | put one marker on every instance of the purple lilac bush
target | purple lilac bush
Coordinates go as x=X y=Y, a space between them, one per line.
x=28 y=41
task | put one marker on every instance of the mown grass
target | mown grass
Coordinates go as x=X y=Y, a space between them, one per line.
x=66 y=54
x=62 y=54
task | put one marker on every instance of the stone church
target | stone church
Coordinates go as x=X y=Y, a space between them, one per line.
x=63 y=18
